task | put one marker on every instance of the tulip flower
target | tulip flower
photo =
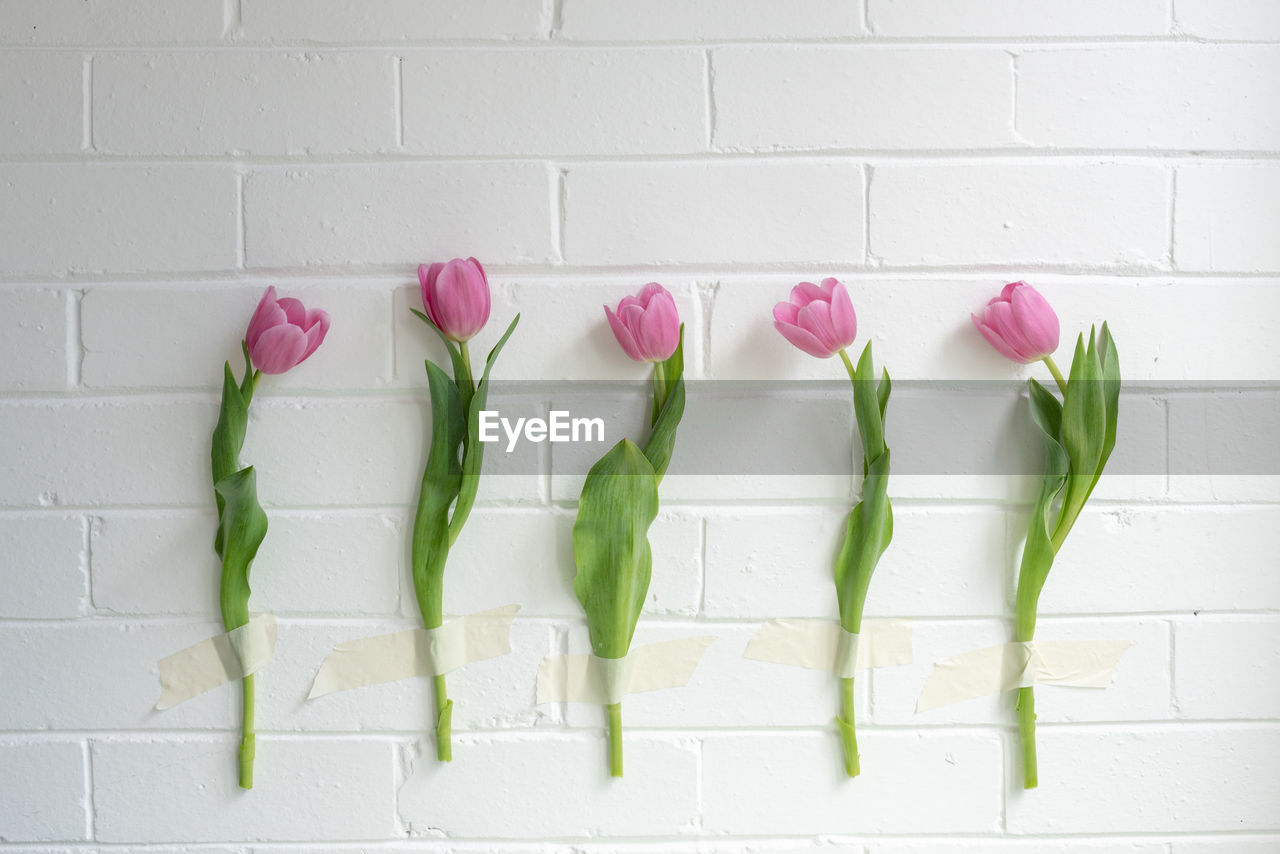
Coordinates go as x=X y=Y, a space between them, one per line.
x=647 y=325
x=456 y=297
x=1078 y=432
x=283 y=333
x=818 y=319
x=1022 y=326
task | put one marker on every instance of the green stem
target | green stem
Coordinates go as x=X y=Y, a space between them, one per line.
x=848 y=366
x=1057 y=374
x=466 y=363
x=444 y=722
x=615 y=739
x=248 y=740
x=1027 y=732
x=848 y=738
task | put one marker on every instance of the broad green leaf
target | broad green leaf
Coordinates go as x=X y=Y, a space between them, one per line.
x=441 y=480
x=1083 y=432
x=461 y=370
x=242 y=527
x=473 y=453
x=1039 y=551
x=867 y=409
x=1110 y=362
x=228 y=440
x=662 y=438
x=611 y=548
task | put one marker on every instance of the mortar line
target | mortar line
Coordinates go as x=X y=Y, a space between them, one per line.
x=90 y=799
x=868 y=257
x=399 y=98
x=88 y=607
x=559 y=213
x=242 y=230
x=1173 y=217
x=708 y=79
x=75 y=340
x=86 y=94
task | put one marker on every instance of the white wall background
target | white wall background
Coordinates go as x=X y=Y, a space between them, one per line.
x=161 y=163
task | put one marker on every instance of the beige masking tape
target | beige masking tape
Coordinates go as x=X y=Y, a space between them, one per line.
x=587 y=679
x=825 y=645
x=416 y=652
x=1075 y=663
x=216 y=661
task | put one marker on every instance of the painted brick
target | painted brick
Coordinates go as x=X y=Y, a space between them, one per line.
x=41 y=103
x=706 y=20
x=124 y=346
x=795 y=784
x=555 y=102
x=1163 y=780
x=117 y=217
x=1242 y=20
x=95 y=675
x=1234 y=845
x=937 y=215
x=306 y=789
x=1033 y=18
x=1005 y=846
x=1107 y=564
x=42 y=792
x=74 y=453
x=1140 y=690
x=854 y=97
x=340 y=564
x=726 y=690
x=41 y=567
x=243 y=103
x=556 y=786
x=109 y=22
x=1219 y=448
x=1154 y=96
x=1224 y=218
x=401 y=214
x=493 y=694
x=392 y=21
x=769 y=564
x=33 y=339
x=622 y=213
x=1222 y=667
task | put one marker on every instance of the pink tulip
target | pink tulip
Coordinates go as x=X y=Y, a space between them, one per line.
x=1019 y=323
x=456 y=297
x=283 y=333
x=818 y=319
x=647 y=325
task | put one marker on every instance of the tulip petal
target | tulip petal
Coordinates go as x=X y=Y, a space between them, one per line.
x=1006 y=293
x=995 y=340
x=317 y=327
x=264 y=317
x=659 y=330
x=816 y=318
x=279 y=349
x=427 y=276
x=844 y=322
x=1000 y=318
x=828 y=286
x=294 y=310
x=786 y=312
x=460 y=300
x=1036 y=319
x=806 y=292
x=625 y=339
x=803 y=339
x=649 y=291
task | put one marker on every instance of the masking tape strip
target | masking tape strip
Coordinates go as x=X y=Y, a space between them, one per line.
x=588 y=679
x=416 y=652
x=825 y=645
x=994 y=669
x=216 y=661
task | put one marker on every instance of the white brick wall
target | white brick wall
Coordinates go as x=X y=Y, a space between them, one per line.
x=161 y=164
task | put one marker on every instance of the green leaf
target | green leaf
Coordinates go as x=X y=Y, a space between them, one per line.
x=1083 y=432
x=610 y=546
x=461 y=370
x=228 y=440
x=1039 y=551
x=441 y=480
x=867 y=408
x=660 y=445
x=1110 y=363
x=242 y=527
x=473 y=454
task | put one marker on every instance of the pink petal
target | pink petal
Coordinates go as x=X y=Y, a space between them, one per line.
x=806 y=292
x=1036 y=319
x=631 y=314
x=1006 y=293
x=829 y=285
x=624 y=336
x=649 y=291
x=279 y=349
x=1000 y=318
x=317 y=328
x=265 y=316
x=802 y=339
x=785 y=312
x=630 y=300
x=294 y=310
x=427 y=281
x=659 y=331
x=843 y=320
x=995 y=340
x=816 y=318
x=460 y=300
